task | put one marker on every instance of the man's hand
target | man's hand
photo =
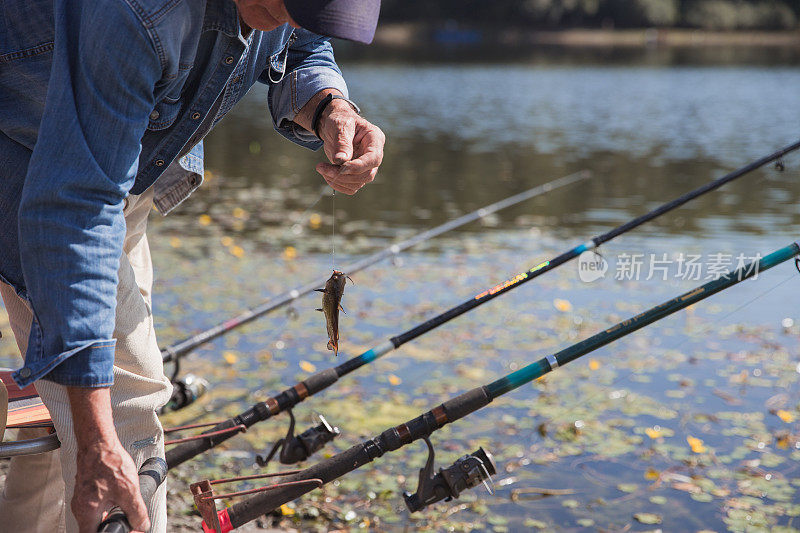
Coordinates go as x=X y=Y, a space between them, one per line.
x=106 y=475
x=353 y=145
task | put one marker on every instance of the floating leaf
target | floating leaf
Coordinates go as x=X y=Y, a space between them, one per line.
x=786 y=416
x=651 y=474
x=696 y=444
x=658 y=500
x=691 y=488
x=286 y=510
x=562 y=305
x=654 y=433
x=238 y=212
x=647 y=518
x=570 y=504
x=628 y=487
x=315 y=221
x=290 y=252
x=594 y=364
x=585 y=522
x=204 y=220
x=394 y=380
x=238 y=251
x=230 y=357
x=226 y=241
x=536 y=524
x=307 y=367
x=175 y=242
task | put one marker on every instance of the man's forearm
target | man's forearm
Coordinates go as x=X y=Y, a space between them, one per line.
x=91 y=415
x=306 y=115
x=106 y=475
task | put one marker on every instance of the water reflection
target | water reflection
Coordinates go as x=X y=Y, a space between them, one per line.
x=552 y=54
x=461 y=136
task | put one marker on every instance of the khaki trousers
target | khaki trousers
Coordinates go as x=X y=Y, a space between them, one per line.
x=38 y=488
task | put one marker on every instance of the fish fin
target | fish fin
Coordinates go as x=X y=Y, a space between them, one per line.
x=333 y=346
x=320 y=290
x=351 y=280
x=342 y=309
x=318 y=309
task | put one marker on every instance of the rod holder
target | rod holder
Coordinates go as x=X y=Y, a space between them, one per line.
x=219 y=521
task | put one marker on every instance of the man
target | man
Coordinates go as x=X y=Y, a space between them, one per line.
x=103 y=107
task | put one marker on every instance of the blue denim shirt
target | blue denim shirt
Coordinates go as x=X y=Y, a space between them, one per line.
x=101 y=98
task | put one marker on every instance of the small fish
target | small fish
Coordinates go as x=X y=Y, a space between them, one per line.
x=332 y=304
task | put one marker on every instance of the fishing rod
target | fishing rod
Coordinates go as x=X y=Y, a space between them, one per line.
x=175 y=351
x=317 y=437
x=469 y=470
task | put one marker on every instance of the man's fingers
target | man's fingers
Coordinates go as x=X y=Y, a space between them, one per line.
x=334 y=173
x=369 y=151
x=87 y=515
x=346 y=183
x=364 y=163
x=136 y=511
x=355 y=150
x=340 y=147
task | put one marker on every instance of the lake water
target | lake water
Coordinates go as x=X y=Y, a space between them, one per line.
x=613 y=431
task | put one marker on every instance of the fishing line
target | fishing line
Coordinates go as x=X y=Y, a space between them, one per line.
x=333 y=229
x=297 y=227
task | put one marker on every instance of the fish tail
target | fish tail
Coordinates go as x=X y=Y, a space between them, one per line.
x=333 y=346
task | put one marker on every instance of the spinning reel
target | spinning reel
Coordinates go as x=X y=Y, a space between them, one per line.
x=467 y=472
x=294 y=449
x=184 y=392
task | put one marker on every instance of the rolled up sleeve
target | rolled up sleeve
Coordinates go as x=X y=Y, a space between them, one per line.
x=310 y=68
x=71 y=224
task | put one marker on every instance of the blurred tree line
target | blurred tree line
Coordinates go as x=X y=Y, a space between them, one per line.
x=704 y=14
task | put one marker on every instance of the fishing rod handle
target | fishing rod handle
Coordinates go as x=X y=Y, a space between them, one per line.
x=151 y=475
x=326 y=471
x=187 y=450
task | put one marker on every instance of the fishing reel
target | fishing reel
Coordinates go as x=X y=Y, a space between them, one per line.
x=294 y=449
x=467 y=472
x=185 y=392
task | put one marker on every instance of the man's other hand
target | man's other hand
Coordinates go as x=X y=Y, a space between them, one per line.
x=106 y=475
x=353 y=145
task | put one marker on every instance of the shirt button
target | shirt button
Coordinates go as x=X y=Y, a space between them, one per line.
x=159 y=162
x=154 y=115
x=25 y=372
x=229 y=60
x=195 y=116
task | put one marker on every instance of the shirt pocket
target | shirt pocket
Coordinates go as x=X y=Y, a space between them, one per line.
x=27 y=29
x=163 y=115
x=26 y=56
x=169 y=101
